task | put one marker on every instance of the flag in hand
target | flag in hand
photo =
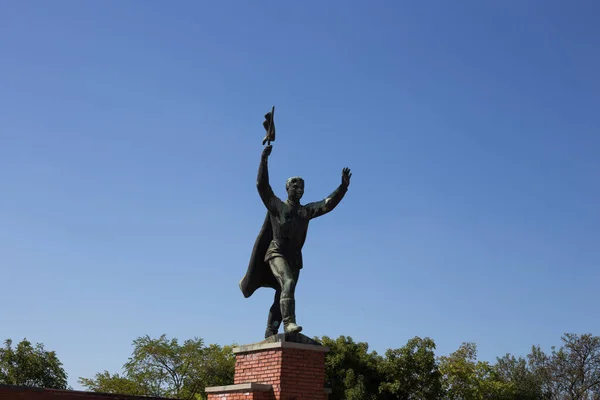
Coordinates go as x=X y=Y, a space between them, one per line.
x=269 y=126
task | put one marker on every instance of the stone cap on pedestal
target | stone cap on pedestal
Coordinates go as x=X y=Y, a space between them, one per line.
x=283 y=340
x=242 y=387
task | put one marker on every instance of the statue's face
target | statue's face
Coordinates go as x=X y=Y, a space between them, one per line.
x=295 y=188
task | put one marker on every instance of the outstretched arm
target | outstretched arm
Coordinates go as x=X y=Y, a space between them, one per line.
x=262 y=183
x=324 y=206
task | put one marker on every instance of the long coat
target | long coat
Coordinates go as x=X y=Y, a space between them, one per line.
x=259 y=274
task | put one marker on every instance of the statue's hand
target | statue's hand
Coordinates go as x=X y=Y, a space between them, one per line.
x=346 y=174
x=267 y=151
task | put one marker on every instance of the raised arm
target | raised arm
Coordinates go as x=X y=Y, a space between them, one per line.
x=262 y=182
x=324 y=206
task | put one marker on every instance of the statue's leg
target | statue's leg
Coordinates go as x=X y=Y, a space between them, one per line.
x=295 y=277
x=287 y=281
x=275 y=317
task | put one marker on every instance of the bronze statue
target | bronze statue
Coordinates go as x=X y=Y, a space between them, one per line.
x=276 y=258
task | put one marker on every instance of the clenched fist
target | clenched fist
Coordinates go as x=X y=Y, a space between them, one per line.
x=267 y=151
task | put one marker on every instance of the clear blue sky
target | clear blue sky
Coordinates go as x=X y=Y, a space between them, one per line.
x=130 y=135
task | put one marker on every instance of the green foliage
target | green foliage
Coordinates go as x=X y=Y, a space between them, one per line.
x=27 y=365
x=104 y=382
x=165 y=368
x=410 y=372
x=465 y=378
x=527 y=383
x=574 y=369
x=458 y=370
x=351 y=369
x=413 y=373
x=218 y=365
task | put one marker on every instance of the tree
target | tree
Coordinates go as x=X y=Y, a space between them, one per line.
x=411 y=372
x=27 y=365
x=458 y=370
x=465 y=378
x=540 y=365
x=527 y=381
x=350 y=369
x=104 y=382
x=164 y=368
x=573 y=371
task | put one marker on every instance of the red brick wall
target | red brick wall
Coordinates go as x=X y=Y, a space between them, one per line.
x=241 y=396
x=303 y=374
x=293 y=373
x=258 y=367
x=8 y=392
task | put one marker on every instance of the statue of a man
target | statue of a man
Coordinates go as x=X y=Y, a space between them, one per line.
x=276 y=259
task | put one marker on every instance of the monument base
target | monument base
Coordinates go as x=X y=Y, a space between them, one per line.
x=281 y=367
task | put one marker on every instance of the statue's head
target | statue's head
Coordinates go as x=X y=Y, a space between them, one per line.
x=294 y=187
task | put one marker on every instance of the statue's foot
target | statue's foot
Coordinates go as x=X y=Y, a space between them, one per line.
x=291 y=327
x=270 y=332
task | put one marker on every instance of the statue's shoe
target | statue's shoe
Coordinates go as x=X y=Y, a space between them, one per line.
x=270 y=332
x=292 y=328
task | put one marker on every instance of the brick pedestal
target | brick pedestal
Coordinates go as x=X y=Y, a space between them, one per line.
x=277 y=369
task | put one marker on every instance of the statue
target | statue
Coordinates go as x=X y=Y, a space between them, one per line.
x=276 y=258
